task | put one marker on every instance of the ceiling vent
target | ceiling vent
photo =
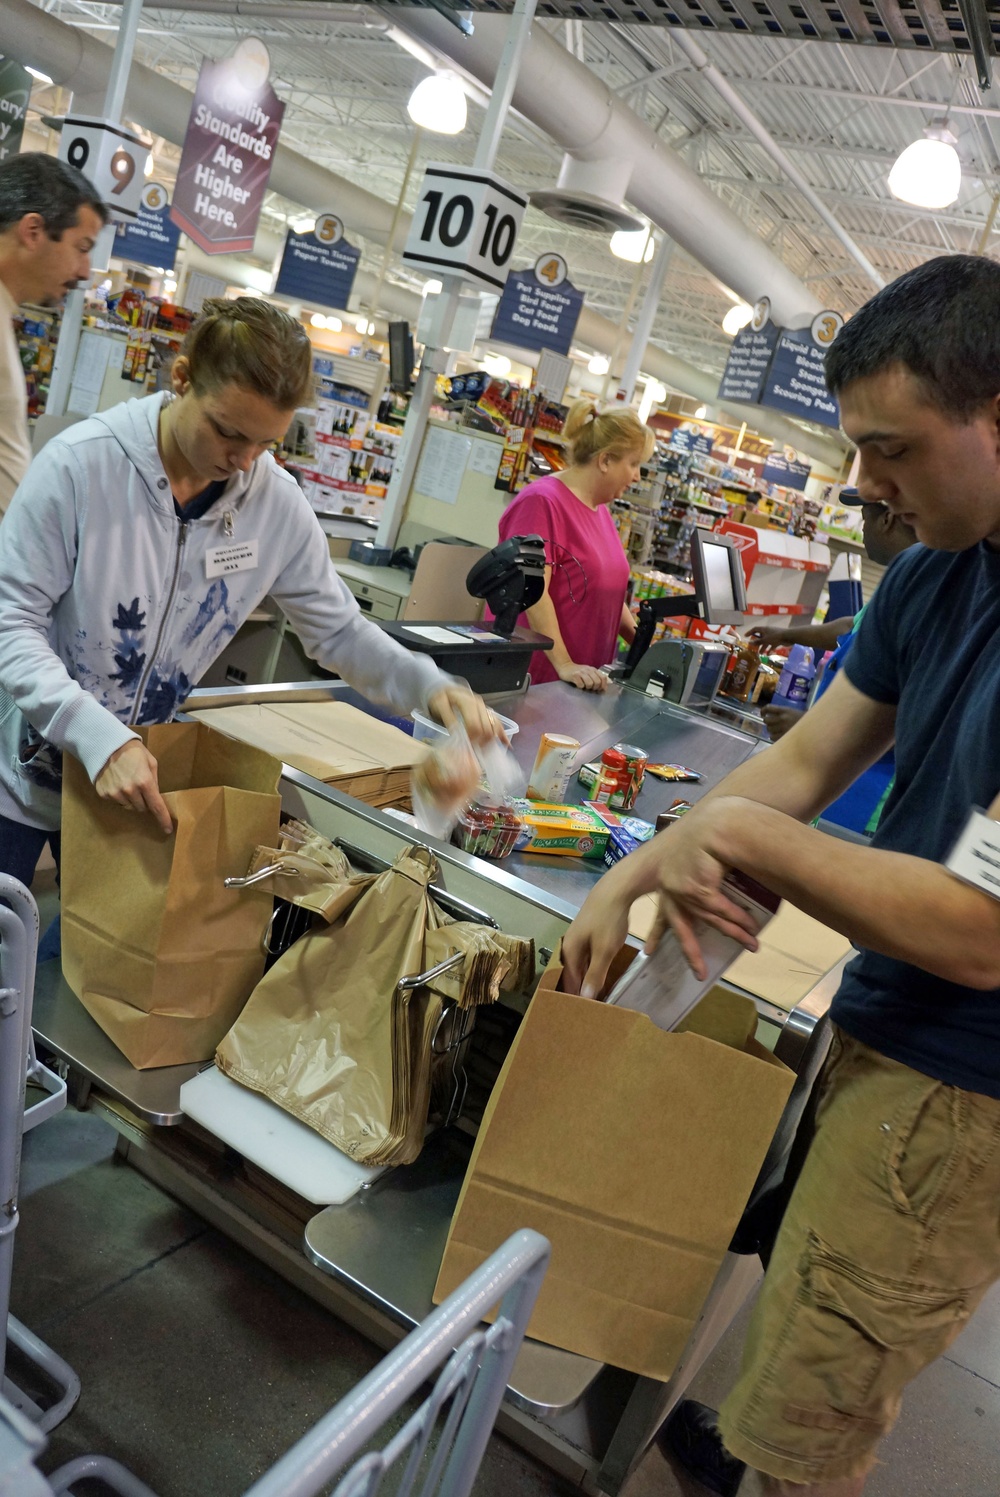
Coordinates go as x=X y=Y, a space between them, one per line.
x=589 y=195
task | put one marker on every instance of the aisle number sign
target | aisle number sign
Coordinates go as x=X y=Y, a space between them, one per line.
x=465 y=223
x=783 y=368
x=151 y=238
x=112 y=158
x=318 y=265
x=539 y=307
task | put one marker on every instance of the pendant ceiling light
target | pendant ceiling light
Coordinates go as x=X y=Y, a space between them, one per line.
x=928 y=173
x=632 y=245
x=438 y=103
x=736 y=318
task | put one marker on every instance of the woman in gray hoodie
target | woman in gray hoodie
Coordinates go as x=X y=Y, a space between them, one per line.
x=138 y=543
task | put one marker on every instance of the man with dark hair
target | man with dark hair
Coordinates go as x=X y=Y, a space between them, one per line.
x=50 y=216
x=892 y=1234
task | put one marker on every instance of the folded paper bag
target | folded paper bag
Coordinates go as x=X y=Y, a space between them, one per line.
x=154 y=945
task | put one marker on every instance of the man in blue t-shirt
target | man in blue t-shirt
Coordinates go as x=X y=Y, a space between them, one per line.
x=892 y=1235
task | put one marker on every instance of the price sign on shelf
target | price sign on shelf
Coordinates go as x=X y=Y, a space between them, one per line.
x=111 y=156
x=465 y=223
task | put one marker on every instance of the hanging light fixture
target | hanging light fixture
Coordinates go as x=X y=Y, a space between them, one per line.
x=633 y=245
x=497 y=364
x=599 y=364
x=736 y=318
x=653 y=394
x=438 y=103
x=928 y=173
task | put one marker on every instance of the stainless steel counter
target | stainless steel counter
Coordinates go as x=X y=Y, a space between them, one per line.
x=667 y=733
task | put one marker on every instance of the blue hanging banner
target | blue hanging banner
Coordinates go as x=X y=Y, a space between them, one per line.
x=694 y=443
x=151 y=238
x=318 y=266
x=786 y=471
x=539 y=308
x=796 y=381
x=746 y=367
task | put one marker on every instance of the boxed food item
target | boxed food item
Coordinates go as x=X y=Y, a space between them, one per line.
x=620 y=844
x=569 y=831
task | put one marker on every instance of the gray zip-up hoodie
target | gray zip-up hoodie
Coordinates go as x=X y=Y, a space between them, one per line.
x=108 y=614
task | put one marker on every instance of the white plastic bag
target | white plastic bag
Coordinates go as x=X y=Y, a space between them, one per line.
x=457 y=772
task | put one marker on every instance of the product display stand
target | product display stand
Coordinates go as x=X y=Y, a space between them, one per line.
x=18 y=943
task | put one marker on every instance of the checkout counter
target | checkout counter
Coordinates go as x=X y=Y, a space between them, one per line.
x=373 y=1261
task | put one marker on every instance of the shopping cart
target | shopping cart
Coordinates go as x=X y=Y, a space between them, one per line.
x=29 y=1093
x=438 y=1449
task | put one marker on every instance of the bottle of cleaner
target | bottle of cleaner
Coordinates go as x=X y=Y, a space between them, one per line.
x=795 y=679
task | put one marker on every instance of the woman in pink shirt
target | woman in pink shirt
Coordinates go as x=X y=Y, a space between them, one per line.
x=586 y=577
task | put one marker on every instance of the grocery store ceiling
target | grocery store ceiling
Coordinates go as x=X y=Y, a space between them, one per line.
x=936 y=24
x=841 y=111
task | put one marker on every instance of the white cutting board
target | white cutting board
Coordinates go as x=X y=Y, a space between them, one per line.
x=272 y=1139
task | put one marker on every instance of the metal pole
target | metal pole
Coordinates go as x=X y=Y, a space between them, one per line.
x=435 y=356
x=390 y=243
x=623 y=325
x=742 y=110
x=646 y=318
x=72 y=317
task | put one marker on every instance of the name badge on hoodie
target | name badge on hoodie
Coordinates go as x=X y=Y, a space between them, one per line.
x=238 y=556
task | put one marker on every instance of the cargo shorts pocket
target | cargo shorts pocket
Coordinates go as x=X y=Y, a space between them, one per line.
x=925 y=1144
x=855 y=1340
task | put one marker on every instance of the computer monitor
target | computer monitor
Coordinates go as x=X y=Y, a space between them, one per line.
x=717 y=573
x=400 y=356
x=719 y=595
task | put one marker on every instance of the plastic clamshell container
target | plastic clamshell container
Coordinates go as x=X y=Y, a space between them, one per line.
x=488 y=832
x=425 y=730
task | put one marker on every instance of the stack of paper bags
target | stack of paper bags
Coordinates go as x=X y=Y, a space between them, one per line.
x=331 y=1036
x=337 y=743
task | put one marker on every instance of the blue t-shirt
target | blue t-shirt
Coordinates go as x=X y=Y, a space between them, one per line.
x=930 y=644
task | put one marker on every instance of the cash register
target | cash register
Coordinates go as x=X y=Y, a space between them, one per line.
x=689 y=671
x=493 y=656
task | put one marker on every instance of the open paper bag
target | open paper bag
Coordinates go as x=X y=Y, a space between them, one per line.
x=154 y=945
x=634 y=1150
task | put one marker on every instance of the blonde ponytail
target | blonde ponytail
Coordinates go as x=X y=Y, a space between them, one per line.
x=591 y=429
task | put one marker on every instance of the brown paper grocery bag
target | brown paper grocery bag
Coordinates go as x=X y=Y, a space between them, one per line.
x=634 y=1151
x=317 y=1035
x=153 y=944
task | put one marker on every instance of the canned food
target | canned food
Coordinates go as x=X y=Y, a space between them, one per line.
x=553 y=767
x=636 y=760
x=613 y=783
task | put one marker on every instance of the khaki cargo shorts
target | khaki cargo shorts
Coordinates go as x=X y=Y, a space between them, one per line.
x=891 y=1238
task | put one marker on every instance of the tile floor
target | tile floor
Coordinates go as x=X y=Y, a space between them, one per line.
x=199 y=1397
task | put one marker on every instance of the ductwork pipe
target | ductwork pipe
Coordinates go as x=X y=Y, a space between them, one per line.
x=698 y=56
x=71 y=58
x=572 y=105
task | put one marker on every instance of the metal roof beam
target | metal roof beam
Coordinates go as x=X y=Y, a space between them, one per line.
x=853 y=200
x=858 y=96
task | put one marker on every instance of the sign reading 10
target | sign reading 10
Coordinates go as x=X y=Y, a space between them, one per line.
x=450 y=217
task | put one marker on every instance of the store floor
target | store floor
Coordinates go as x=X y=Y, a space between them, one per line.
x=200 y=1366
